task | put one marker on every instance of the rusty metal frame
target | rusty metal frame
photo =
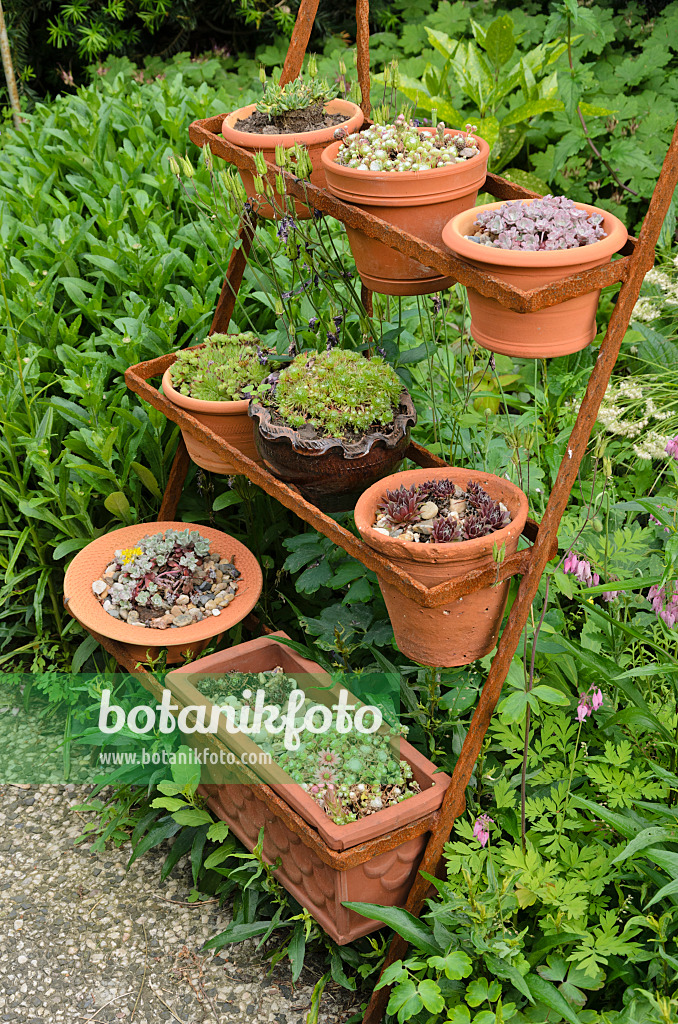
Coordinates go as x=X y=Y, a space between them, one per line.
x=637 y=257
x=137 y=378
x=204 y=133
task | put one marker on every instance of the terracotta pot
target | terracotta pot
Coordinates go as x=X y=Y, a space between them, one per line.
x=143 y=642
x=313 y=879
x=228 y=420
x=554 y=331
x=314 y=141
x=463 y=630
x=330 y=472
x=419 y=202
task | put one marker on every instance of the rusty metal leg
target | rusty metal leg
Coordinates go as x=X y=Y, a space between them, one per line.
x=175 y=484
x=234 y=275
x=299 y=41
x=641 y=262
x=362 y=42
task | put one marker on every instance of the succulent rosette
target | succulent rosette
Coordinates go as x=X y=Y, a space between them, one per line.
x=439 y=512
x=403 y=146
x=551 y=223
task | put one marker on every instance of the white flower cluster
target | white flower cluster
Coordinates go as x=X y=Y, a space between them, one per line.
x=646 y=310
x=626 y=411
x=665 y=293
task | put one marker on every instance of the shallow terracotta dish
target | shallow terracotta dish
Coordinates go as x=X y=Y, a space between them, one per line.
x=146 y=643
x=419 y=202
x=314 y=141
x=467 y=628
x=313 y=879
x=553 y=331
x=228 y=420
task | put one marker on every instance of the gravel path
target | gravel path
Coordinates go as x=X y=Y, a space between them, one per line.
x=84 y=940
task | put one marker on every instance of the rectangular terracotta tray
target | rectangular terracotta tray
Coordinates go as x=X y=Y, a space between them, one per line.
x=263 y=654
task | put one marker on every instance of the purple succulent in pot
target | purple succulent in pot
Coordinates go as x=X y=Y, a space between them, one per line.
x=439 y=512
x=553 y=222
x=401 y=506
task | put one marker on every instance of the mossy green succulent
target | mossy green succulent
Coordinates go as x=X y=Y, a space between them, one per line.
x=337 y=391
x=227 y=368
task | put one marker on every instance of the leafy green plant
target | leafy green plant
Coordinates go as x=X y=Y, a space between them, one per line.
x=478 y=68
x=54 y=42
x=349 y=775
x=226 y=368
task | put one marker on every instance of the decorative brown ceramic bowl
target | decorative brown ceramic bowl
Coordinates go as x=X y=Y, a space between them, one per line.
x=145 y=642
x=331 y=472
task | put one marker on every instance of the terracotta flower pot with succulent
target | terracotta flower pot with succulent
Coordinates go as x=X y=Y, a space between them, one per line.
x=332 y=423
x=437 y=525
x=414 y=178
x=304 y=111
x=349 y=787
x=214 y=382
x=162 y=585
x=528 y=243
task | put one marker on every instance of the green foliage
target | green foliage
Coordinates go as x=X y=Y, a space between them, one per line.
x=474 y=73
x=337 y=391
x=568 y=916
x=55 y=42
x=508 y=72
x=348 y=774
x=96 y=272
x=227 y=367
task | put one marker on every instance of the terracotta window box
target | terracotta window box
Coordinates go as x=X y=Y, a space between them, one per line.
x=323 y=864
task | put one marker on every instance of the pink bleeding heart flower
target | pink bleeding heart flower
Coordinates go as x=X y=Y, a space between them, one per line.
x=481 y=829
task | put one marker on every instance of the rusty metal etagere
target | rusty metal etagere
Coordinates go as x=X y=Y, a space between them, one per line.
x=637 y=257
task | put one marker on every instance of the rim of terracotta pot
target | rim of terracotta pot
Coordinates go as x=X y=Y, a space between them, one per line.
x=255 y=140
x=235 y=407
x=373 y=187
x=318 y=446
x=89 y=564
x=393 y=547
x=459 y=226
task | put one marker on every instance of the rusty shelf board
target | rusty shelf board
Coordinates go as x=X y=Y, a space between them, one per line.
x=441 y=259
x=137 y=379
x=340 y=860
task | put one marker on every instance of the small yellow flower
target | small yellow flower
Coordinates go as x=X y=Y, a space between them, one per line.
x=129 y=554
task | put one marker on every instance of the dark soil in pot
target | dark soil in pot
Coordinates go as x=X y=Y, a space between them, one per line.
x=331 y=472
x=297 y=121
